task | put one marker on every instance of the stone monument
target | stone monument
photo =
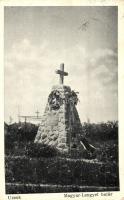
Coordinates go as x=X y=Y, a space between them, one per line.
x=60 y=125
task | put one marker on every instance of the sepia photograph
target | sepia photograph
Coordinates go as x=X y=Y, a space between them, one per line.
x=61 y=99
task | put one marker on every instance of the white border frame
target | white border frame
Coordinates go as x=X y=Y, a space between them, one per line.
x=119 y=195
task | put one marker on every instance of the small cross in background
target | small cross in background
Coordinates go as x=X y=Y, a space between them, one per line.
x=37 y=112
x=10 y=120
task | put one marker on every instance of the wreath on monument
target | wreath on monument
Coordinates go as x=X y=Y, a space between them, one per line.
x=72 y=97
x=55 y=100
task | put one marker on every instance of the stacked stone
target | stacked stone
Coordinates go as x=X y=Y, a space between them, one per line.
x=52 y=128
x=60 y=128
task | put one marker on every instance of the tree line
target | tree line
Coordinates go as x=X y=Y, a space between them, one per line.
x=94 y=131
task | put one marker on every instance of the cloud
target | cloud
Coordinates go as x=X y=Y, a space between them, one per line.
x=25 y=74
x=102 y=53
x=30 y=74
x=103 y=67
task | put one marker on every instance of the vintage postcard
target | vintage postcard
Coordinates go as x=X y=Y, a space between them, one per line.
x=62 y=98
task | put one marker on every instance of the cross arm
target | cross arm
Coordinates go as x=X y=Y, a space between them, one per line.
x=61 y=72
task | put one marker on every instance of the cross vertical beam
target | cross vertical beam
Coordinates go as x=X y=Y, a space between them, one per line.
x=62 y=73
x=61 y=78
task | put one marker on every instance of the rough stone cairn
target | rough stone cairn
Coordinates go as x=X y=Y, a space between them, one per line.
x=60 y=125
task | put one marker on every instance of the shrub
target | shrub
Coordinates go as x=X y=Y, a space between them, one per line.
x=101 y=131
x=40 y=150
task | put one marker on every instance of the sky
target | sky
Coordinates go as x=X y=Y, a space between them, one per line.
x=38 y=39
